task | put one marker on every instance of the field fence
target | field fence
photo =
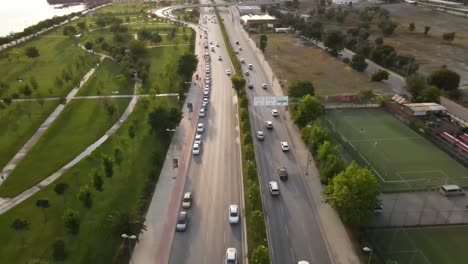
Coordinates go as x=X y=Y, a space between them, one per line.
x=420 y=218
x=395 y=245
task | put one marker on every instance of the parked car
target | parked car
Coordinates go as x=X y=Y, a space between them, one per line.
x=200 y=127
x=196 y=149
x=198 y=139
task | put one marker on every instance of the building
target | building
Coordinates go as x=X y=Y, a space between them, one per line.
x=249 y=10
x=423 y=109
x=254 y=20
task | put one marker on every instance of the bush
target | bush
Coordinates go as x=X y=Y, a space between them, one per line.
x=59 y=252
x=380 y=75
x=248 y=139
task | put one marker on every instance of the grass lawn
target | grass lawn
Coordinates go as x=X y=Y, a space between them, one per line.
x=126 y=8
x=96 y=242
x=104 y=81
x=18 y=122
x=423 y=245
x=58 y=55
x=163 y=76
x=403 y=159
x=293 y=59
x=80 y=124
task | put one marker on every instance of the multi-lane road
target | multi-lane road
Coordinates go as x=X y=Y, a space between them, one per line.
x=214 y=177
x=294 y=230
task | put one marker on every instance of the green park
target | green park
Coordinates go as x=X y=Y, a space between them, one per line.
x=108 y=192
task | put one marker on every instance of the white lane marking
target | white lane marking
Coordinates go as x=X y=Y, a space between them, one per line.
x=282 y=210
x=292 y=254
x=224 y=236
x=287 y=231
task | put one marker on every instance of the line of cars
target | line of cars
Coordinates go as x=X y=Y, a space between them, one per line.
x=187 y=200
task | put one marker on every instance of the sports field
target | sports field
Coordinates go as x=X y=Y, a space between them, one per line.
x=402 y=159
x=444 y=244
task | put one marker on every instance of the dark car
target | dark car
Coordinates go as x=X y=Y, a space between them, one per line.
x=250 y=86
x=283 y=173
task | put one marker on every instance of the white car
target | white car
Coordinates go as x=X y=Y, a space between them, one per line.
x=205 y=100
x=234 y=214
x=269 y=124
x=187 y=200
x=182 y=221
x=242 y=60
x=274 y=112
x=247 y=73
x=206 y=90
x=264 y=86
x=250 y=66
x=228 y=72
x=198 y=139
x=274 y=188
x=284 y=146
x=196 y=149
x=200 y=127
x=202 y=113
x=260 y=135
x=231 y=256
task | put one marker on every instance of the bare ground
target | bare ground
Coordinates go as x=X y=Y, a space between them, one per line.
x=292 y=59
x=431 y=52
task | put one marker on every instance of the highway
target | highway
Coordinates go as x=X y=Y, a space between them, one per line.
x=294 y=230
x=214 y=177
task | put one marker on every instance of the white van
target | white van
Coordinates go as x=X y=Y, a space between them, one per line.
x=274 y=189
x=451 y=190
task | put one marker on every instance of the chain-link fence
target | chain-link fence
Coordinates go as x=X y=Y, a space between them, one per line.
x=421 y=218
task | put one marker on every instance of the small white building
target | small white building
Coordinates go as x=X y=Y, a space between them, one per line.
x=422 y=109
x=252 y=20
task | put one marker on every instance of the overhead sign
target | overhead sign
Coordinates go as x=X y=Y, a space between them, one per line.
x=271 y=101
x=259 y=101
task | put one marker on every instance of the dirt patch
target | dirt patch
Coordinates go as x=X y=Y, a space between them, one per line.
x=431 y=51
x=293 y=59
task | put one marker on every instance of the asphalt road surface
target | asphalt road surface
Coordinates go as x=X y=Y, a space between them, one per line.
x=214 y=177
x=293 y=227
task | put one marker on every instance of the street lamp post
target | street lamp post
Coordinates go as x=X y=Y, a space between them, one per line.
x=308 y=153
x=172 y=150
x=370 y=251
x=129 y=238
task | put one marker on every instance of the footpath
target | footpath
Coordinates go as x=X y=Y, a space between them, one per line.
x=337 y=238
x=154 y=244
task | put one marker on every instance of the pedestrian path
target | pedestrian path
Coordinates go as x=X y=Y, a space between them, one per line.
x=7 y=204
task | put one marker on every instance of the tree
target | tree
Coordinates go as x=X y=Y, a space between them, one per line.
x=430 y=95
x=88 y=45
x=384 y=55
x=263 y=42
x=43 y=204
x=380 y=75
x=354 y=194
x=123 y=222
x=329 y=159
x=32 y=52
x=318 y=135
x=82 y=25
x=98 y=182
x=411 y=27
x=238 y=82
x=387 y=27
x=72 y=221
x=415 y=84
x=358 y=62
x=69 y=31
x=20 y=226
x=156 y=38
x=108 y=165
x=60 y=189
x=378 y=41
x=85 y=196
x=257 y=221
x=449 y=37
x=426 y=30
x=334 y=41
x=300 y=88
x=26 y=90
x=118 y=155
x=33 y=82
x=59 y=252
x=137 y=48
x=444 y=79
x=314 y=31
x=260 y=255
x=162 y=118
x=307 y=110
x=187 y=64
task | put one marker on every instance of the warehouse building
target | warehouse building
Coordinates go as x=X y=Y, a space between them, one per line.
x=249 y=10
x=254 y=20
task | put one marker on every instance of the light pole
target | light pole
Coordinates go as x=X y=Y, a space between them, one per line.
x=129 y=238
x=370 y=251
x=172 y=150
x=308 y=152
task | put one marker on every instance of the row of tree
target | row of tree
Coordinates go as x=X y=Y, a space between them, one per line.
x=442 y=81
